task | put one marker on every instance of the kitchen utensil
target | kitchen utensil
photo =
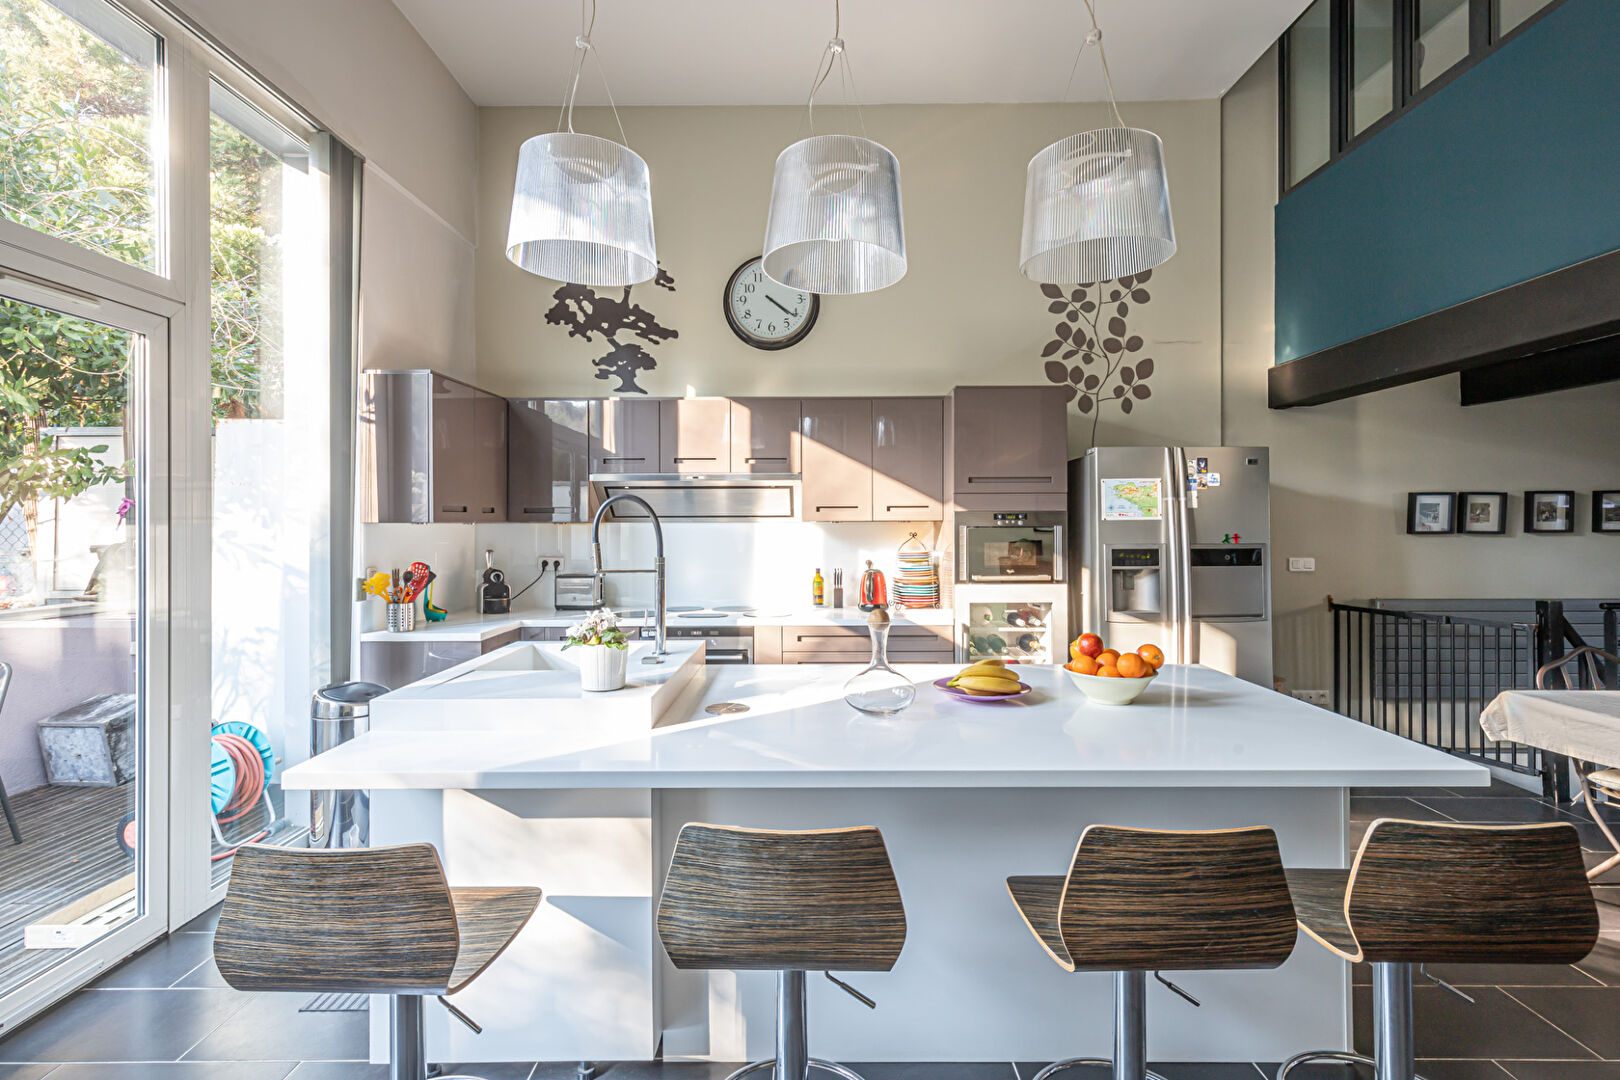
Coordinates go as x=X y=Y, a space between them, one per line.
x=401 y=618
x=878 y=689
x=433 y=612
x=420 y=573
x=874 y=591
x=962 y=695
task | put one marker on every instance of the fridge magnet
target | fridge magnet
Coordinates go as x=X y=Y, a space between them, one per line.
x=1606 y=511
x=1430 y=513
x=1549 y=511
x=1214 y=479
x=1484 y=513
x=1135 y=499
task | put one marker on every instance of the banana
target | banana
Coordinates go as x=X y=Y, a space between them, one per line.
x=1003 y=684
x=993 y=671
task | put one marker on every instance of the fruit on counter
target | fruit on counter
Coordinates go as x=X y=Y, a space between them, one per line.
x=1089 y=644
x=986 y=677
x=1108 y=671
x=1082 y=664
x=1108 y=657
x=1132 y=666
x=1153 y=655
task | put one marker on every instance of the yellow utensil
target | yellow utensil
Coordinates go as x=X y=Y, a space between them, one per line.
x=377 y=585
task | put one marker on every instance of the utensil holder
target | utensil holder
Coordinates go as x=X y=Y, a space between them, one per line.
x=401 y=617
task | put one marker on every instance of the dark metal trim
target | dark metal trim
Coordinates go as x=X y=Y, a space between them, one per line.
x=1586 y=364
x=1571 y=306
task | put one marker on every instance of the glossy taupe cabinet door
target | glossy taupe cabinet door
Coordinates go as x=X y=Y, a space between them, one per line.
x=762 y=435
x=486 y=477
x=549 y=460
x=624 y=436
x=694 y=435
x=432 y=449
x=908 y=459
x=835 y=457
x=1009 y=440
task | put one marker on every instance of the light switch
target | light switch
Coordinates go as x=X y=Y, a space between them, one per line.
x=1301 y=564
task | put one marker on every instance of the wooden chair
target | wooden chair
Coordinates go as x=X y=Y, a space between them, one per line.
x=754 y=899
x=1140 y=900
x=1425 y=893
x=363 y=920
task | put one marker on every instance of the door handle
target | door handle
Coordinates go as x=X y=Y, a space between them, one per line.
x=837 y=508
x=907 y=506
x=543 y=509
x=607 y=459
x=757 y=460
x=1009 y=479
x=679 y=460
x=452 y=509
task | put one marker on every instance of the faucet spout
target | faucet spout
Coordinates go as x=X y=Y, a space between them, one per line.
x=657 y=569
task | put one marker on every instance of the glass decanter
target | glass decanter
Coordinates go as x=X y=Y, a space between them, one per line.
x=878 y=689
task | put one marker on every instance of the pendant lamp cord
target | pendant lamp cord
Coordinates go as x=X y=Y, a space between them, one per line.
x=1094 y=37
x=834 y=54
x=583 y=46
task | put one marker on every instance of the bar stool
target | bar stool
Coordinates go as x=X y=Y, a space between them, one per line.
x=1140 y=900
x=790 y=902
x=1422 y=893
x=364 y=921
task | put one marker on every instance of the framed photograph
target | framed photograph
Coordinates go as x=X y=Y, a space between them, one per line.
x=1606 y=512
x=1549 y=511
x=1431 y=513
x=1483 y=513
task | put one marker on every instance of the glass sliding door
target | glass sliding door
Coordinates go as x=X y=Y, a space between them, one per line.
x=271 y=522
x=83 y=635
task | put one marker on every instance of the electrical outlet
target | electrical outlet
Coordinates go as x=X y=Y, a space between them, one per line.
x=1298 y=564
x=1314 y=697
x=554 y=563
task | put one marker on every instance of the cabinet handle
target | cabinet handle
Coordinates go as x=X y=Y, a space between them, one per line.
x=909 y=506
x=452 y=509
x=487 y=510
x=1009 y=479
x=837 y=508
x=624 y=459
x=544 y=509
x=680 y=460
x=757 y=460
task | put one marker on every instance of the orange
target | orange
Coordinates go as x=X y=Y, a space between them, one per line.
x=1153 y=655
x=1132 y=666
x=1109 y=657
x=1108 y=671
x=1084 y=664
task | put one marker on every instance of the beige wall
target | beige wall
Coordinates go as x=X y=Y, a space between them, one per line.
x=962 y=314
x=1340 y=472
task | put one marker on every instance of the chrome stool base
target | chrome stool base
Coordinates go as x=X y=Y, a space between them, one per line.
x=1101 y=1063
x=1393 y=1048
x=1338 y=1056
x=815 y=1063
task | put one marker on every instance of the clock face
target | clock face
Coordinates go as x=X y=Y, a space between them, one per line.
x=765 y=314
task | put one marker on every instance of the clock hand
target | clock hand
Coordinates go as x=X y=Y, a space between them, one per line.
x=785 y=311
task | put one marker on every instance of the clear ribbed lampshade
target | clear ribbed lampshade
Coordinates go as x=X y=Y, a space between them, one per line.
x=582 y=211
x=834 y=225
x=1097 y=207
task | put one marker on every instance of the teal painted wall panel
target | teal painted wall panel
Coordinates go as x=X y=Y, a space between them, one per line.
x=1509 y=172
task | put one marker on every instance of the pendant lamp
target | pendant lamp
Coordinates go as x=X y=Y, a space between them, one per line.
x=835 y=226
x=582 y=205
x=1097 y=204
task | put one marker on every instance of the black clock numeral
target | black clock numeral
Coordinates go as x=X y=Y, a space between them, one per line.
x=748 y=313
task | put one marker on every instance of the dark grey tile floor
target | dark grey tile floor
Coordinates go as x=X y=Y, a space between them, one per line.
x=166 y=1015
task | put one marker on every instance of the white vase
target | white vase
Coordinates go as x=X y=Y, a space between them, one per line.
x=601 y=667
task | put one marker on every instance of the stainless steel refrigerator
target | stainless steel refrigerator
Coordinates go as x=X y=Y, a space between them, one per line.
x=1173 y=547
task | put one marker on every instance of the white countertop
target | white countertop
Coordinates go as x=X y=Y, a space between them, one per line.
x=482 y=627
x=1194 y=727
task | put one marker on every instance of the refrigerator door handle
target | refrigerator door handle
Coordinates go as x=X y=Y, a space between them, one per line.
x=1176 y=553
x=1184 y=561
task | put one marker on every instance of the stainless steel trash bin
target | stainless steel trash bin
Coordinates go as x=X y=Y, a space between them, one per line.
x=338 y=713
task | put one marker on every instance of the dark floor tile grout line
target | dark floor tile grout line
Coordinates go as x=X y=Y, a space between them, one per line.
x=1552 y=1025
x=1432 y=810
x=246 y=999
x=176 y=984
x=1259 y=1070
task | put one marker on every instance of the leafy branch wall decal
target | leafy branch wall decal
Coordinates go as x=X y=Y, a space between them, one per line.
x=1094 y=331
x=584 y=312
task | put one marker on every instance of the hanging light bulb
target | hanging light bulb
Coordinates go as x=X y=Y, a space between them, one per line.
x=582 y=205
x=834 y=225
x=1097 y=204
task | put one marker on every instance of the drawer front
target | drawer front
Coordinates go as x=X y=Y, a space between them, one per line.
x=903 y=656
x=854 y=641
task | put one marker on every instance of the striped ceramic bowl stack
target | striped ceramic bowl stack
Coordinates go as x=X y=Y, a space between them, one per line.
x=917 y=585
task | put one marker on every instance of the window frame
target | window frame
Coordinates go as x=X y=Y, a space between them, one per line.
x=1483 y=40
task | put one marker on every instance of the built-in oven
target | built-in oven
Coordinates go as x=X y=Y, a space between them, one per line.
x=726 y=644
x=1010 y=546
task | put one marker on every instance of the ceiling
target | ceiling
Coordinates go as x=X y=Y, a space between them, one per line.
x=763 y=52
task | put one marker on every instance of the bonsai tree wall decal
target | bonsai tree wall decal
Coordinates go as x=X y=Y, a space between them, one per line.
x=1093 y=331
x=585 y=312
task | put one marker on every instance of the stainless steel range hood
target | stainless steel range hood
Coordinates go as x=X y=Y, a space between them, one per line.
x=708 y=497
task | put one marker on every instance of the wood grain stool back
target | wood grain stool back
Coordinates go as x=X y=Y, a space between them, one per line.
x=1422 y=892
x=1176 y=900
x=362 y=920
x=755 y=899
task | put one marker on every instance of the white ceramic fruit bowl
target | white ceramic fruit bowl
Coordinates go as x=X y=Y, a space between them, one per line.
x=1106 y=691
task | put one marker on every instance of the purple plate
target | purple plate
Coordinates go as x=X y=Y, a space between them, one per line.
x=963 y=695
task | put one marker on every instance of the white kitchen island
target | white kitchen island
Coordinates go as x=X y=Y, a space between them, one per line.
x=966 y=795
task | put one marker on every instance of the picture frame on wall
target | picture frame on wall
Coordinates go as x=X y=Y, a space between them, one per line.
x=1549 y=511
x=1431 y=513
x=1606 y=512
x=1482 y=513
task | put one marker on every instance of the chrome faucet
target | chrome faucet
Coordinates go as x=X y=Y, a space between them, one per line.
x=657 y=570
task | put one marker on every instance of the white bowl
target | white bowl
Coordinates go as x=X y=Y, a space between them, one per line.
x=1105 y=691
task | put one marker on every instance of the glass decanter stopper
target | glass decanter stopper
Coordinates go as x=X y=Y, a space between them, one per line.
x=878 y=689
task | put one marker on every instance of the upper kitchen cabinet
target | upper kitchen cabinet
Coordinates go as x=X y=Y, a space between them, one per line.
x=549 y=460
x=624 y=435
x=762 y=435
x=835 y=458
x=908 y=459
x=431 y=449
x=1009 y=440
x=694 y=435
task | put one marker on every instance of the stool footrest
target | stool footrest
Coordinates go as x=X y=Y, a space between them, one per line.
x=815 y=1063
x=1327 y=1055
x=1098 y=1063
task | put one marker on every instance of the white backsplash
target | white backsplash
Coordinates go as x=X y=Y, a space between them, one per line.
x=448 y=549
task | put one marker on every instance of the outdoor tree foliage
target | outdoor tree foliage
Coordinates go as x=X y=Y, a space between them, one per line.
x=76 y=163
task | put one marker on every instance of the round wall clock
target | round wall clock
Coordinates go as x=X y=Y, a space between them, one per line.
x=765 y=314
